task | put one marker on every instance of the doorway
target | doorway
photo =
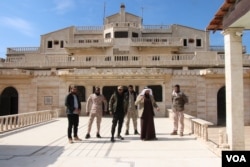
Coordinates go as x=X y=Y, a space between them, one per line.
x=9 y=101
x=221 y=107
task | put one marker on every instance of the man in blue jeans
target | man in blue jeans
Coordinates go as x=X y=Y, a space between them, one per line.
x=73 y=110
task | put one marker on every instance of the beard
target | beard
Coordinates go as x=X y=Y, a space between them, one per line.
x=97 y=93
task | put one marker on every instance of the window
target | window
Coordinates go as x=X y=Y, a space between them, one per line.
x=190 y=40
x=107 y=91
x=121 y=34
x=88 y=58
x=49 y=44
x=80 y=93
x=81 y=41
x=108 y=35
x=184 y=42
x=134 y=34
x=157 y=92
x=56 y=42
x=121 y=58
x=61 y=44
x=198 y=43
x=108 y=58
x=156 y=58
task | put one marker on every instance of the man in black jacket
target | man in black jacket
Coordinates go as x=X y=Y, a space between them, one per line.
x=118 y=105
x=73 y=110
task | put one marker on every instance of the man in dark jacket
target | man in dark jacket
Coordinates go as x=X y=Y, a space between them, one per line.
x=118 y=105
x=73 y=110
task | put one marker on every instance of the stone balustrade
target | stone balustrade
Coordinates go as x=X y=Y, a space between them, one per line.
x=106 y=61
x=16 y=121
x=196 y=126
x=75 y=61
x=23 y=50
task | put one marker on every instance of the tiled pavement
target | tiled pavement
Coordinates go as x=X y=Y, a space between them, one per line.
x=46 y=145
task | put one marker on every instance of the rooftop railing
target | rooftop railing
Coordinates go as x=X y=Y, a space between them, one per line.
x=16 y=121
x=23 y=50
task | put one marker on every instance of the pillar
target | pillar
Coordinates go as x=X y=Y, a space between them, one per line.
x=234 y=88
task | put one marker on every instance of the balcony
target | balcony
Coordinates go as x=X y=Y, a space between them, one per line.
x=22 y=50
x=123 y=25
x=118 y=61
x=89 y=30
x=156 y=41
x=87 y=43
x=157 y=29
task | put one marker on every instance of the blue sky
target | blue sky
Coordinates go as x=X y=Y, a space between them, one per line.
x=23 y=21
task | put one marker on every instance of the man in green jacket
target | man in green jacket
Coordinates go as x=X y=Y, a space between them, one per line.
x=118 y=106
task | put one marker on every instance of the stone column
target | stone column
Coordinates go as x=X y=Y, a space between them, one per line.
x=234 y=88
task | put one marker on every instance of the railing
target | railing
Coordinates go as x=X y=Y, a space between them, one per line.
x=222 y=49
x=23 y=50
x=149 y=41
x=88 y=61
x=89 y=29
x=123 y=24
x=99 y=42
x=16 y=121
x=157 y=28
x=196 y=126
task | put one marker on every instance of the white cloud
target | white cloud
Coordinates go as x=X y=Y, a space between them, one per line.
x=62 y=6
x=19 y=24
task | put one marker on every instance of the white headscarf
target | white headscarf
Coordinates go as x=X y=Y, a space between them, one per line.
x=144 y=90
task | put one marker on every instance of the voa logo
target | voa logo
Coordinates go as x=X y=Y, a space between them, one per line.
x=236 y=158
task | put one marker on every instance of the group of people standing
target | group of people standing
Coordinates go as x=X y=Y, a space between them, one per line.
x=122 y=105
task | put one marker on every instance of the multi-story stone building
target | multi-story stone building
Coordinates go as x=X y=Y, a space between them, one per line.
x=123 y=51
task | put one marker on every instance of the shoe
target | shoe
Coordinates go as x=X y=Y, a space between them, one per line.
x=173 y=133
x=120 y=137
x=181 y=133
x=126 y=133
x=112 y=139
x=77 y=139
x=136 y=132
x=70 y=141
x=98 y=135
x=87 y=136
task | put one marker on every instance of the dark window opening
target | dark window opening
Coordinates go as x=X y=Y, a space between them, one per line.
x=81 y=41
x=56 y=42
x=108 y=35
x=88 y=58
x=157 y=92
x=107 y=91
x=50 y=44
x=9 y=101
x=135 y=35
x=61 y=44
x=190 y=40
x=198 y=42
x=81 y=93
x=121 y=34
x=184 y=42
x=156 y=58
x=108 y=58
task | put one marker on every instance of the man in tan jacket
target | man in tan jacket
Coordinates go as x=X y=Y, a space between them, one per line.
x=179 y=99
x=94 y=107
